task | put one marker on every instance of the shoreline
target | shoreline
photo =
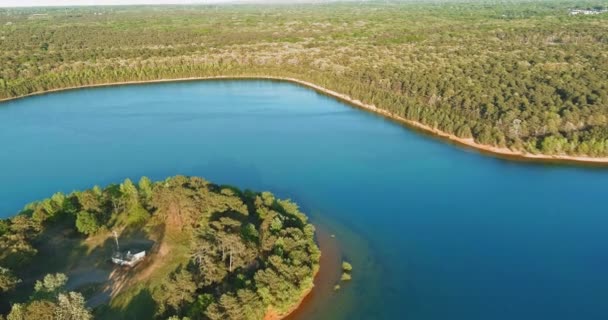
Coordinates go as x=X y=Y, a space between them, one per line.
x=505 y=153
x=272 y=314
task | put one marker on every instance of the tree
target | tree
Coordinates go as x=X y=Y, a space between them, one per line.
x=201 y=304
x=50 y=286
x=464 y=132
x=238 y=267
x=210 y=268
x=233 y=250
x=90 y=201
x=38 y=309
x=114 y=196
x=49 y=302
x=4 y=227
x=86 y=223
x=250 y=233
x=129 y=192
x=176 y=291
x=64 y=306
x=71 y=306
x=145 y=189
x=55 y=203
x=553 y=145
x=8 y=280
x=276 y=224
x=18 y=312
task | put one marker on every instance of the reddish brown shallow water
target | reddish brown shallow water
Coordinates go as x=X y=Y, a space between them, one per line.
x=328 y=276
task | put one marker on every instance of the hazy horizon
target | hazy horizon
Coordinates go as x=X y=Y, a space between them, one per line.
x=59 y=3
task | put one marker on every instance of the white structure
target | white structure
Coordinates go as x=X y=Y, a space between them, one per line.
x=128 y=258
x=574 y=12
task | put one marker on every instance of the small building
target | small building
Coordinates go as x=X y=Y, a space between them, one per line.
x=574 y=12
x=128 y=258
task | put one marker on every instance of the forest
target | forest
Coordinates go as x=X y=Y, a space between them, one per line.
x=214 y=252
x=526 y=75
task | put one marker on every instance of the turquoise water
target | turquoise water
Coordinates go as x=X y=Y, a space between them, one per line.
x=448 y=233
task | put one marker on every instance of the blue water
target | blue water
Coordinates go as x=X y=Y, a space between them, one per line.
x=448 y=233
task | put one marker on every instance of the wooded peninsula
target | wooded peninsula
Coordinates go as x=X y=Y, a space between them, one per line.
x=526 y=76
x=211 y=252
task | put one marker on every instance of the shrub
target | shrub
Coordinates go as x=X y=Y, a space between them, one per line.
x=86 y=223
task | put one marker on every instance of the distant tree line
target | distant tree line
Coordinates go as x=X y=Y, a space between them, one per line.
x=524 y=75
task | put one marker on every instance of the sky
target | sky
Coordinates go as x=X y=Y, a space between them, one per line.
x=31 y=3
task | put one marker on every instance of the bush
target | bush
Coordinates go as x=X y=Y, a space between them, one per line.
x=86 y=223
x=345 y=277
x=347 y=267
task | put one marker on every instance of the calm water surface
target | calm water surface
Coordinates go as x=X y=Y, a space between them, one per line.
x=442 y=233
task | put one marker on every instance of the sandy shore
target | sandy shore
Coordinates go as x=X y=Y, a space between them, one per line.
x=487 y=149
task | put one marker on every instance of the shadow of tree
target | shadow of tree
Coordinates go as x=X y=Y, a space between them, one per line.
x=88 y=266
x=233 y=215
x=141 y=306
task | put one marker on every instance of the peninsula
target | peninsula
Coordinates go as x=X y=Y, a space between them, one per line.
x=188 y=248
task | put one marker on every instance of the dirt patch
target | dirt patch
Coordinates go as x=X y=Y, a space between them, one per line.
x=95 y=273
x=155 y=261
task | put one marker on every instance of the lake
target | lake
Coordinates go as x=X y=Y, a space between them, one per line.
x=434 y=231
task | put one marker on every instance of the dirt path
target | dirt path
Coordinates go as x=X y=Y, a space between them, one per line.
x=156 y=261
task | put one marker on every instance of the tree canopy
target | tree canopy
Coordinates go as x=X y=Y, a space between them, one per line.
x=51 y=301
x=522 y=74
x=220 y=253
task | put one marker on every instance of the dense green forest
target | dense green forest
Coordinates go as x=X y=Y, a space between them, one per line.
x=214 y=252
x=520 y=74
